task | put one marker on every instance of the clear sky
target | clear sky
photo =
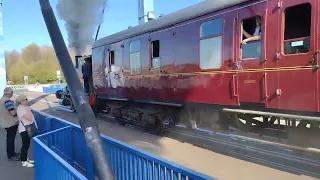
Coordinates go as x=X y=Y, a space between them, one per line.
x=23 y=23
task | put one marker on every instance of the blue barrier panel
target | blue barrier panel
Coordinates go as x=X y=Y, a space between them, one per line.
x=51 y=89
x=127 y=162
x=50 y=166
x=47 y=123
x=57 y=86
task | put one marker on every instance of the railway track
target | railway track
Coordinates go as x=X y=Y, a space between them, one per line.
x=280 y=156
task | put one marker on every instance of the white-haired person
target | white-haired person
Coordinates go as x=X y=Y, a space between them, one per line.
x=26 y=120
x=9 y=121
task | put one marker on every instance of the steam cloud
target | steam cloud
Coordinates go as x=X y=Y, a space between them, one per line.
x=81 y=17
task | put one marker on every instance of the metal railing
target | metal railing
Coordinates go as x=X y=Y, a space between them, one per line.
x=20 y=86
x=46 y=88
x=50 y=166
x=66 y=140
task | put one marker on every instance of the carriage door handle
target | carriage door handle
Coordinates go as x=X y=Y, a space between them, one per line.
x=313 y=61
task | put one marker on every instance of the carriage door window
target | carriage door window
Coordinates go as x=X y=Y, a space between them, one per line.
x=251 y=37
x=155 y=54
x=211 y=44
x=111 y=59
x=135 y=63
x=297 y=29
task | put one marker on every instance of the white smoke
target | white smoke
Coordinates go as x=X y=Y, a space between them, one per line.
x=81 y=17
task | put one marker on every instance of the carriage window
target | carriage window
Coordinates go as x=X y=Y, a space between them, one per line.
x=155 y=54
x=211 y=28
x=135 y=46
x=297 y=29
x=211 y=44
x=135 y=63
x=251 y=37
x=111 y=58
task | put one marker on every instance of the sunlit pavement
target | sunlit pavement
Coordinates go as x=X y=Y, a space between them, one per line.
x=13 y=170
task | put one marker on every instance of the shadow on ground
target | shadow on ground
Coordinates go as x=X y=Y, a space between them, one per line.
x=142 y=140
x=37 y=99
x=162 y=146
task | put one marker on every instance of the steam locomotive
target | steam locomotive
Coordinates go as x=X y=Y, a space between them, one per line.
x=196 y=67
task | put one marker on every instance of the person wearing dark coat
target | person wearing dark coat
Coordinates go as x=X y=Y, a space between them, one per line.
x=86 y=74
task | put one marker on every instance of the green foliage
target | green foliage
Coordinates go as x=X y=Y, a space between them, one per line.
x=40 y=64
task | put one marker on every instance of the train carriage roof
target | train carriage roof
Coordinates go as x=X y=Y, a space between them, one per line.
x=203 y=8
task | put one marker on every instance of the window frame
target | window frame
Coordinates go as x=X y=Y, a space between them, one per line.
x=283 y=41
x=133 y=68
x=133 y=72
x=110 y=53
x=221 y=34
x=260 y=40
x=130 y=46
x=152 y=58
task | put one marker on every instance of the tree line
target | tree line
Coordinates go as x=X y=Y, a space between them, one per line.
x=40 y=64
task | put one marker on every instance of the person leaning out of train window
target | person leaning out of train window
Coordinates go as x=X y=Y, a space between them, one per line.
x=257 y=33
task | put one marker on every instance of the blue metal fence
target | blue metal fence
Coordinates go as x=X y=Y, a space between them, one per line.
x=66 y=141
x=48 y=123
x=50 y=166
x=51 y=89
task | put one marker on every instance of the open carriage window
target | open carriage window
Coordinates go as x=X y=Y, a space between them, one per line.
x=155 y=54
x=251 y=37
x=297 y=29
x=111 y=58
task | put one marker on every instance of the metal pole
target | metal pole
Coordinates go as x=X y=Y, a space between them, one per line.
x=144 y=6
x=3 y=77
x=97 y=33
x=85 y=114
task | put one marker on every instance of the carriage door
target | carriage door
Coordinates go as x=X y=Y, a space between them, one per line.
x=297 y=79
x=318 y=60
x=250 y=63
x=111 y=67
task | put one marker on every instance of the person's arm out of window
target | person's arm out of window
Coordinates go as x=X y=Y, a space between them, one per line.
x=254 y=38
x=10 y=107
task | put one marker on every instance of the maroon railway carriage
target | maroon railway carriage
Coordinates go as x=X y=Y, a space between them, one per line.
x=192 y=65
